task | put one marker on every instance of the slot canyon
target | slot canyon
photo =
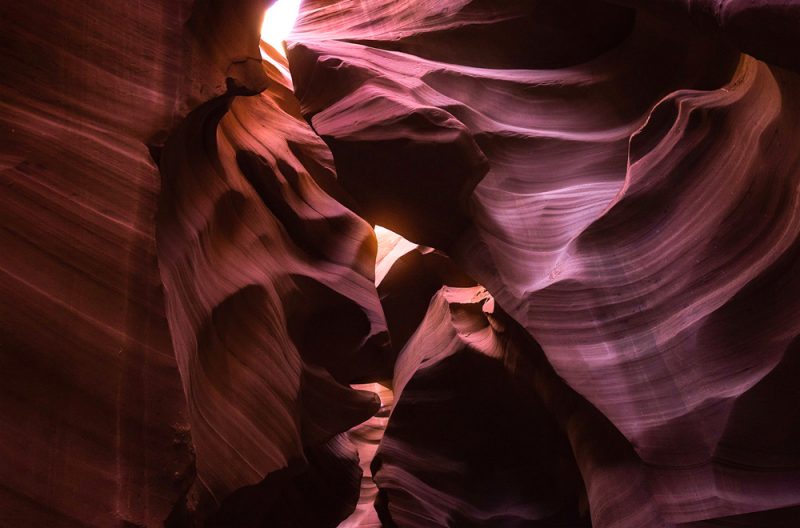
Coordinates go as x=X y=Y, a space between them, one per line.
x=400 y=263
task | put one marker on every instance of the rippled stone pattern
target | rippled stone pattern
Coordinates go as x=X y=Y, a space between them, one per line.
x=269 y=287
x=634 y=206
x=582 y=308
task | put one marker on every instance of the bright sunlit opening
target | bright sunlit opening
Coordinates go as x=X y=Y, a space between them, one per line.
x=278 y=23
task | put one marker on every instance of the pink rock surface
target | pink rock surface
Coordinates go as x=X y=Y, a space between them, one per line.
x=367 y=437
x=269 y=286
x=196 y=310
x=468 y=442
x=638 y=216
x=93 y=428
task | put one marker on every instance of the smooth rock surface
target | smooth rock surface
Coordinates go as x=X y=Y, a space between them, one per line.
x=583 y=307
x=638 y=216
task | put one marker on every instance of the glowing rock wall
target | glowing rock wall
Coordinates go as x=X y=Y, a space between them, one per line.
x=594 y=323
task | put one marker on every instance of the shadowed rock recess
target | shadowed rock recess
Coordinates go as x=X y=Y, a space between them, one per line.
x=445 y=264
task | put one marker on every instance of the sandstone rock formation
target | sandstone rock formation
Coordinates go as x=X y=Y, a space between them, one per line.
x=470 y=263
x=638 y=216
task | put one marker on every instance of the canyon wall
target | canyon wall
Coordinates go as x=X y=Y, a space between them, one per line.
x=94 y=428
x=631 y=201
x=592 y=318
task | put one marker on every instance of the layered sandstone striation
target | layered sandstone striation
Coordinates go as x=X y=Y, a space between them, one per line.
x=269 y=285
x=634 y=208
x=582 y=309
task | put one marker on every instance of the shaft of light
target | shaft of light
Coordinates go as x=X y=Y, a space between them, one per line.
x=278 y=23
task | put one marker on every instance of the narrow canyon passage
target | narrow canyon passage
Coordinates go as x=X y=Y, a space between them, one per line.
x=394 y=263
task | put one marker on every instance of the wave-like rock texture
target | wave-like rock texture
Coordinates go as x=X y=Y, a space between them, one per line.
x=93 y=425
x=270 y=294
x=128 y=400
x=633 y=205
x=193 y=299
x=367 y=437
x=469 y=442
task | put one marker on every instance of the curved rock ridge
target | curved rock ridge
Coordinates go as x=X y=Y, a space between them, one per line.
x=411 y=275
x=469 y=443
x=407 y=276
x=637 y=213
x=434 y=130
x=665 y=316
x=237 y=342
x=367 y=437
x=490 y=33
x=269 y=288
x=441 y=356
